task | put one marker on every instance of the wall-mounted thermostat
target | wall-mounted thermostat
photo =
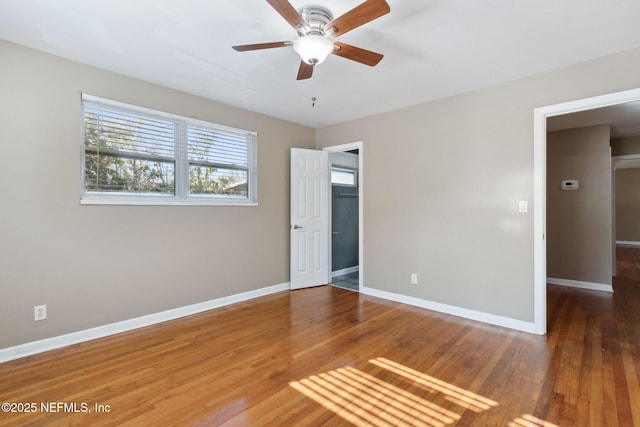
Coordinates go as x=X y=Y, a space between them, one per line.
x=570 y=184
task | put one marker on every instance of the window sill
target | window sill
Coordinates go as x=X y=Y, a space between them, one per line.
x=163 y=201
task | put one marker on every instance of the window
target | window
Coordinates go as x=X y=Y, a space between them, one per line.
x=343 y=177
x=133 y=155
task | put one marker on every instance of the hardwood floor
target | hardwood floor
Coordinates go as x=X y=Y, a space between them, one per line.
x=327 y=356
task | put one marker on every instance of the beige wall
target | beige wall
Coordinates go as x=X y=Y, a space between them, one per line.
x=628 y=205
x=625 y=146
x=579 y=221
x=463 y=163
x=94 y=265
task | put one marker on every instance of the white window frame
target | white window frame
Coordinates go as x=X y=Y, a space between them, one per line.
x=182 y=195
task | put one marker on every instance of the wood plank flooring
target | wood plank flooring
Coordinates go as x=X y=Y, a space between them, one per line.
x=327 y=357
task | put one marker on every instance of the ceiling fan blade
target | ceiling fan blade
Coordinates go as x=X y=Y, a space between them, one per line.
x=357 y=54
x=258 y=46
x=305 y=71
x=359 y=15
x=289 y=13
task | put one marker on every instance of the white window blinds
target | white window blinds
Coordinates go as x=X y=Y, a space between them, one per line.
x=218 y=162
x=126 y=152
x=140 y=156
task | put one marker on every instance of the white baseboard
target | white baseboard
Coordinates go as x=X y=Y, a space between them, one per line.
x=627 y=243
x=479 y=316
x=40 y=346
x=582 y=285
x=344 y=271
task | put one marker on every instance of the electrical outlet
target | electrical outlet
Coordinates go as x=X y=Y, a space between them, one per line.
x=414 y=279
x=39 y=312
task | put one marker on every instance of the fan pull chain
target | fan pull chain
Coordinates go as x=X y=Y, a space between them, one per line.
x=314 y=91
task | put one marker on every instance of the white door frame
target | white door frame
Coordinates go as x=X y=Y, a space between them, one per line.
x=348 y=147
x=540 y=116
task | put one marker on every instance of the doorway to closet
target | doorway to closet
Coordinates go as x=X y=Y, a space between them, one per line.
x=345 y=217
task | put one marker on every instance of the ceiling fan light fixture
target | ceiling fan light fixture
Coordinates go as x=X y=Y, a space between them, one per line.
x=317 y=29
x=313 y=48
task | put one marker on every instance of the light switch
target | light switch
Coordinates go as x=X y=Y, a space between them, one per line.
x=523 y=206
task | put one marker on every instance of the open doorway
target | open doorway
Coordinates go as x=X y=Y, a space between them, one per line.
x=626 y=187
x=579 y=215
x=541 y=116
x=625 y=206
x=345 y=164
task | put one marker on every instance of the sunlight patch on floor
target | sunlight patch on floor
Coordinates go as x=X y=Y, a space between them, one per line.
x=363 y=399
x=458 y=395
x=530 y=421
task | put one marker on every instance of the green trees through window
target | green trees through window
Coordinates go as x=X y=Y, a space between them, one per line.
x=128 y=153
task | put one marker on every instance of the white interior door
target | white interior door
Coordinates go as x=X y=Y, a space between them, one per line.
x=309 y=218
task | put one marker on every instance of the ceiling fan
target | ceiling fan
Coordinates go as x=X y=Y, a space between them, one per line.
x=317 y=29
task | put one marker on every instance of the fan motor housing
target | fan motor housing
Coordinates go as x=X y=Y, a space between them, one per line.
x=317 y=17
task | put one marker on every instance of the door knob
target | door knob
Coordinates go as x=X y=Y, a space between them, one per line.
x=296 y=227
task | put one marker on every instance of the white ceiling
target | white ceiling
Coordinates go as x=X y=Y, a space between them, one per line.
x=432 y=48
